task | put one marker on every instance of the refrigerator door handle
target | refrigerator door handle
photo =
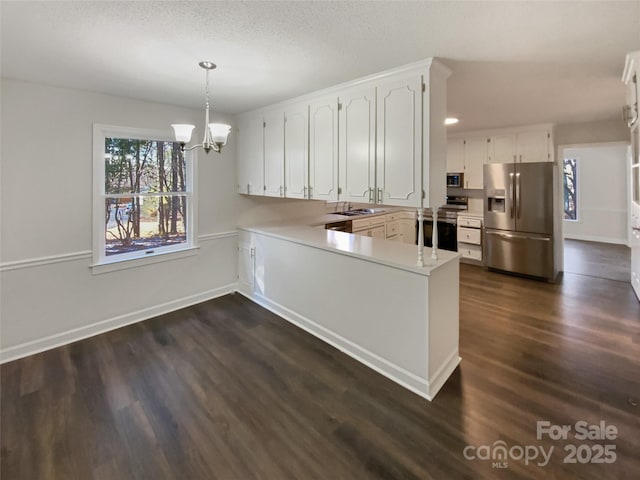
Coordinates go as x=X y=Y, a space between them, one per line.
x=518 y=195
x=511 y=196
x=511 y=235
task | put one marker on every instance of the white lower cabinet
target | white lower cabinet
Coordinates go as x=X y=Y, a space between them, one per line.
x=370 y=226
x=472 y=252
x=378 y=232
x=397 y=227
x=470 y=237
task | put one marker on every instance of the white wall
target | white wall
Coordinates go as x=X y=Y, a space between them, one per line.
x=49 y=295
x=602 y=193
x=591 y=132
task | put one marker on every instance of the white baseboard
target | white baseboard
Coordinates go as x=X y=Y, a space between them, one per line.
x=596 y=238
x=438 y=379
x=410 y=381
x=73 y=335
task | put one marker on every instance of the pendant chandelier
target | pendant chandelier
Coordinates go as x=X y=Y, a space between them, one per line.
x=215 y=134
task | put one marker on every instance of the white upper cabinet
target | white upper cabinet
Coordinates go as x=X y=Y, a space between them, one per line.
x=399 y=141
x=502 y=148
x=250 y=155
x=323 y=148
x=455 y=155
x=296 y=151
x=380 y=139
x=274 y=153
x=521 y=146
x=468 y=155
x=533 y=146
x=475 y=156
x=357 y=155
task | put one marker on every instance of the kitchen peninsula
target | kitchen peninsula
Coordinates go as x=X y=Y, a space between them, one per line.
x=378 y=141
x=363 y=295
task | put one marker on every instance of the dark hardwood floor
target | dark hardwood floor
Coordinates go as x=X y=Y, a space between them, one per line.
x=603 y=260
x=227 y=390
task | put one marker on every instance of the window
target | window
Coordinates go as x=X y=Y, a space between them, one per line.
x=570 y=171
x=142 y=195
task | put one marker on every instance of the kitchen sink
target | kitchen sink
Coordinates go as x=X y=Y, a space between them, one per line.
x=360 y=211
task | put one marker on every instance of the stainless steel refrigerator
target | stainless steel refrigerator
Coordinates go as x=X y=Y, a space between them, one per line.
x=519 y=218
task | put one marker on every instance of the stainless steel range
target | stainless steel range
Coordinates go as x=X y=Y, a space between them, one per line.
x=447 y=223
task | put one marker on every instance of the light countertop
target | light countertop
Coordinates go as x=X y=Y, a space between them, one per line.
x=393 y=254
x=471 y=213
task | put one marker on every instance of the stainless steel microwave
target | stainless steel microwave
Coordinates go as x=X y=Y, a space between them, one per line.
x=455 y=180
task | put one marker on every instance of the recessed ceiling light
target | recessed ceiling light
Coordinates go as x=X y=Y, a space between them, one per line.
x=451 y=121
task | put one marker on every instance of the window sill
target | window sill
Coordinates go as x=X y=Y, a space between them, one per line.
x=113 y=266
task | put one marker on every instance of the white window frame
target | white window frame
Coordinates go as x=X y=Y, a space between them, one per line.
x=578 y=218
x=102 y=263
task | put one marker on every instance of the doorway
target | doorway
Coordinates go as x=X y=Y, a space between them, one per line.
x=595 y=205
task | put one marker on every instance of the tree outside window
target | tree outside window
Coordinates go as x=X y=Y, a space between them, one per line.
x=145 y=200
x=570 y=170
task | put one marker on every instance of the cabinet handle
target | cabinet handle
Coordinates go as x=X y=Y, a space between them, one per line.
x=379 y=195
x=310 y=191
x=248 y=188
x=520 y=158
x=281 y=191
x=304 y=192
x=370 y=195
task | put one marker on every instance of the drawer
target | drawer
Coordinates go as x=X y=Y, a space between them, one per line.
x=378 y=220
x=470 y=235
x=392 y=228
x=470 y=251
x=360 y=224
x=364 y=231
x=406 y=215
x=470 y=222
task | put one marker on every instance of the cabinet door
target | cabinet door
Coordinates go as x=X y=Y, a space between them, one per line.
x=323 y=149
x=455 y=155
x=246 y=265
x=378 y=232
x=399 y=141
x=250 y=155
x=475 y=156
x=408 y=229
x=357 y=144
x=274 y=154
x=502 y=148
x=533 y=146
x=296 y=148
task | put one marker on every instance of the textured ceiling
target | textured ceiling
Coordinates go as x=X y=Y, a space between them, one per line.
x=513 y=62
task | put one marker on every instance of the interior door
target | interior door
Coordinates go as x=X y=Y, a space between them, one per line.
x=534 y=197
x=499 y=205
